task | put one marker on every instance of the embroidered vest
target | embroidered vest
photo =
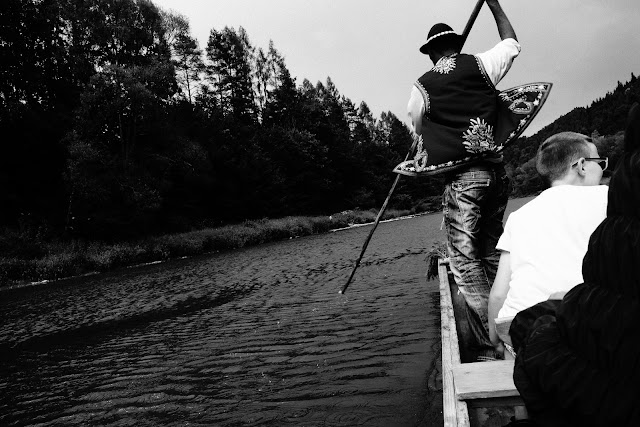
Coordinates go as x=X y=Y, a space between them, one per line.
x=462 y=110
x=467 y=121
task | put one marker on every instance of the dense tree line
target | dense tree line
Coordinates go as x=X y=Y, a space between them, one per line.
x=116 y=124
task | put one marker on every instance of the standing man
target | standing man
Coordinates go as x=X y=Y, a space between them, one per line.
x=453 y=110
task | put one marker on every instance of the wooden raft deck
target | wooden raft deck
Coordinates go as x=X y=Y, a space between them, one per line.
x=454 y=411
x=468 y=385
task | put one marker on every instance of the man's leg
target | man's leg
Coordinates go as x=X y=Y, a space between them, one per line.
x=463 y=199
x=491 y=223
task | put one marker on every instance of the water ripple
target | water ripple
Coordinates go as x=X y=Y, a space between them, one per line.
x=254 y=337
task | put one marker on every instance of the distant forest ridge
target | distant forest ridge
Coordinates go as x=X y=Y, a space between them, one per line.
x=117 y=126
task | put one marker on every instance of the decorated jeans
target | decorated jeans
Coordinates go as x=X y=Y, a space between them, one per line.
x=473 y=202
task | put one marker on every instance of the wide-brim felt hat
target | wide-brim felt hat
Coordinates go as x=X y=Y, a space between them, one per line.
x=441 y=31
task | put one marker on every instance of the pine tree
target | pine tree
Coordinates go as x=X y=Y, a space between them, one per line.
x=185 y=53
x=229 y=72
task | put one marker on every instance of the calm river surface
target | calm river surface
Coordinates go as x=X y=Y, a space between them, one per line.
x=258 y=336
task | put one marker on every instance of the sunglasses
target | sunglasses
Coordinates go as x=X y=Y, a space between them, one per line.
x=603 y=162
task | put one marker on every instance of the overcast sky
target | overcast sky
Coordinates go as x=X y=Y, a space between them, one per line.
x=369 y=48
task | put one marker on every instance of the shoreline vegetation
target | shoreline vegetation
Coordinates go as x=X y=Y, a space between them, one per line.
x=29 y=260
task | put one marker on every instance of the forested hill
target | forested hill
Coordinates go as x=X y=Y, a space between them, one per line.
x=604 y=120
x=116 y=124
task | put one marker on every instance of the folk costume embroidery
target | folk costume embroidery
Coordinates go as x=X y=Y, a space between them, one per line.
x=445 y=65
x=421 y=157
x=425 y=96
x=479 y=137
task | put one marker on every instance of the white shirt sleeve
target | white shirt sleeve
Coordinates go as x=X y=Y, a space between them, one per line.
x=498 y=60
x=416 y=109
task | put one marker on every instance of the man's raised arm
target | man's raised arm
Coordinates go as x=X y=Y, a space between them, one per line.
x=504 y=26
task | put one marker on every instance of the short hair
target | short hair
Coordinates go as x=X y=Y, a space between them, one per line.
x=558 y=152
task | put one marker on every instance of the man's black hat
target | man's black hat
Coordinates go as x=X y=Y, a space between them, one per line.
x=441 y=31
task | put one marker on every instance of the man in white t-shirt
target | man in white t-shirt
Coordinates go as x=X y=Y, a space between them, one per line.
x=544 y=241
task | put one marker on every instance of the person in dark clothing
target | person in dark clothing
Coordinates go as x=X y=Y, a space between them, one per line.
x=578 y=359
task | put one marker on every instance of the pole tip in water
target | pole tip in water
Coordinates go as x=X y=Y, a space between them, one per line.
x=340 y=292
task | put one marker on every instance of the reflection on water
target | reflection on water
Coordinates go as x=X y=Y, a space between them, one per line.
x=254 y=337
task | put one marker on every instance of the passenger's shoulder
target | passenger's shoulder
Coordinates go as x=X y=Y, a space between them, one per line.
x=601 y=192
x=528 y=209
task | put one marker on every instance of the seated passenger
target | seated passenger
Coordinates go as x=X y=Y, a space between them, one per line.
x=578 y=359
x=545 y=240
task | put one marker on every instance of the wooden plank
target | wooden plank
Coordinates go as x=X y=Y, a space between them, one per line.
x=484 y=380
x=455 y=412
x=502 y=328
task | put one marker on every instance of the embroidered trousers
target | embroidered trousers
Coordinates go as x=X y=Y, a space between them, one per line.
x=474 y=202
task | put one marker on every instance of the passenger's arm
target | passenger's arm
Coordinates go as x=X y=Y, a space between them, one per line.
x=498 y=295
x=505 y=29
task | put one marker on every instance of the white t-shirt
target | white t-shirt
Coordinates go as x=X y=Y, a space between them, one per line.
x=547 y=239
x=496 y=61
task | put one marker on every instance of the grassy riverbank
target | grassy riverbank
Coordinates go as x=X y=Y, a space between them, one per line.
x=28 y=259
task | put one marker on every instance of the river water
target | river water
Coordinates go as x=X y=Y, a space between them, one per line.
x=258 y=336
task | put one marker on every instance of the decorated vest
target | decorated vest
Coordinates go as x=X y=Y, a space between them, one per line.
x=467 y=121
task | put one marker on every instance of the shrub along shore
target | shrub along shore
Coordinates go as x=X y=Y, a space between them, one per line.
x=27 y=260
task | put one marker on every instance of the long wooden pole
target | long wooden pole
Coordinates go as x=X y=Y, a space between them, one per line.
x=471 y=21
x=375 y=225
x=465 y=34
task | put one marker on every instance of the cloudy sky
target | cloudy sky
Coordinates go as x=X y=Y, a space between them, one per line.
x=369 y=48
